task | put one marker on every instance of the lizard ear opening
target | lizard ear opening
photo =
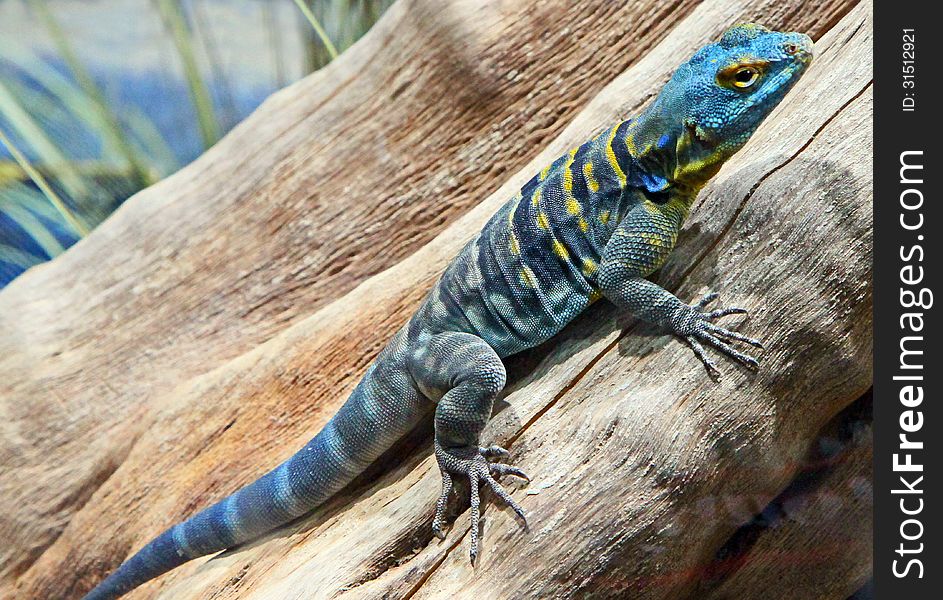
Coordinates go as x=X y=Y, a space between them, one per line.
x=697 y=134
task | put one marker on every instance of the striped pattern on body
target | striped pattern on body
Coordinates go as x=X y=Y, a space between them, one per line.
x=532 y=269
x=528 y=273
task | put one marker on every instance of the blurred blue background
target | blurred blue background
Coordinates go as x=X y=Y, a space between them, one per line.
x=100 y=98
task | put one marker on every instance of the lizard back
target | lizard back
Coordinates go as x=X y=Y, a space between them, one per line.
x=532 y=268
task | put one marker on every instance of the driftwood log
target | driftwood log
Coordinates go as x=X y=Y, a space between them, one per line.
x=215 y=322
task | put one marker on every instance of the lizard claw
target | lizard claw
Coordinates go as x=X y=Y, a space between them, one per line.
x=705 y=301
x=440 y=506
x=499 y=469
x=491 y=452
x=697 y=327
x=472 y=464
x=699 y=352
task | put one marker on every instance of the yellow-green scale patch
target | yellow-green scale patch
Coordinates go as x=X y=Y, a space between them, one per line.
x=611 y=157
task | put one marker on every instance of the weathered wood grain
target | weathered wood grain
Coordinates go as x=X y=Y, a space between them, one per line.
x=623 y=433
x=816 y=539
x=332 y=180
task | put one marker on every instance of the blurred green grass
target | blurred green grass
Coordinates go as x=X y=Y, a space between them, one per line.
x=72 y=149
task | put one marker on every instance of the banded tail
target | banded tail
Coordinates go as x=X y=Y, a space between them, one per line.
x=373 y=418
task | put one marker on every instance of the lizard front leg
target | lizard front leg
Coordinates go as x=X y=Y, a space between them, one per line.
x=464 y=374
x=638 y=247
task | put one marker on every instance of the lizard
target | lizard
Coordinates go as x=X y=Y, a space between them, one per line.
x=595 y=223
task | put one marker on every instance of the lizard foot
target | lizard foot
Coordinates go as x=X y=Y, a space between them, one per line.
x=473 y=463
x=695 y=325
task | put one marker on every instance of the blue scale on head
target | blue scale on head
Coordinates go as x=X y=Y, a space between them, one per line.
x=714 y=102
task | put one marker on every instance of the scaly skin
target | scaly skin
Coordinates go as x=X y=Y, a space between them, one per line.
x=593 y=224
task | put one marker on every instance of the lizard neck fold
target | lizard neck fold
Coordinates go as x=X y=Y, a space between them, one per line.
x=669 y=154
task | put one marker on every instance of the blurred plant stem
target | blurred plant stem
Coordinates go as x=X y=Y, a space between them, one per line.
x=43 y=185
x=17 y=257
x=19 y=204
x=204 y=32
x=171 y=12
x=306 y=11
x=111 y=126
x=27 y=128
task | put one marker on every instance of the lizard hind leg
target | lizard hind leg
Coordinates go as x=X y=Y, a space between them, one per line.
x=464 y=374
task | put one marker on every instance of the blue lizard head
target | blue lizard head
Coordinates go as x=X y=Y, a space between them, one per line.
x=716 y=100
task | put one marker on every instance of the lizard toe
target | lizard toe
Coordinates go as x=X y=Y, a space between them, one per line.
x=697 y=328
x=727 y=349
x=491 y=452
x=473 y=465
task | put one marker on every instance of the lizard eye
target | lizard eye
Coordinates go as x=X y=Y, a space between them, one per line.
x=745 y=77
